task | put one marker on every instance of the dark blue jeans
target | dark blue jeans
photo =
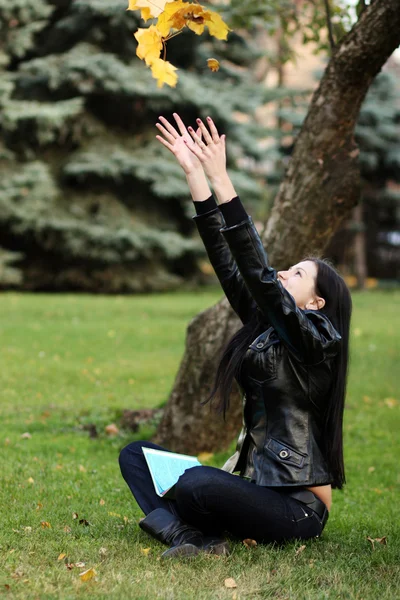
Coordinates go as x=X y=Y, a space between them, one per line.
x=215 y=501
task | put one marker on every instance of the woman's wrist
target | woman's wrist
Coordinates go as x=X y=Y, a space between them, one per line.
x=223 y=188
x=198 y=185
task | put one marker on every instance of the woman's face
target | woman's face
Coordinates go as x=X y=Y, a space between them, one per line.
x=299 y=281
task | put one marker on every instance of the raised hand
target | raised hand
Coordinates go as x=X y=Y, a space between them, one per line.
x=210 y=152
x=180 y=144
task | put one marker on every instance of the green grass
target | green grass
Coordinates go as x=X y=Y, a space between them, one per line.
x=72 y=360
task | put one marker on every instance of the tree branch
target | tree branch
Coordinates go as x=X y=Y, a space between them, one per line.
x=329 y=23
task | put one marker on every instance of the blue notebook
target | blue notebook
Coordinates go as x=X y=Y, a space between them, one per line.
x=166 y=468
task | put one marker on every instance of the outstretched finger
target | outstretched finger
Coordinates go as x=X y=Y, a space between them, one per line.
x=193 y=148
x=207 y=137
x=166 y=133
x=197 y=139
x=213 y=129
x=165 y=143
x=181 y=124
x=168 y=126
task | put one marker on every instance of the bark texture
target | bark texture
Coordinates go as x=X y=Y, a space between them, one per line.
x=320 y=188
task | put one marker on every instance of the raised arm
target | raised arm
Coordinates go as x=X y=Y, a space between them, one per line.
x=309 y=335
x=209 y=219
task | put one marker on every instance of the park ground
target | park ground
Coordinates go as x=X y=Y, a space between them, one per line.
x=74 y=360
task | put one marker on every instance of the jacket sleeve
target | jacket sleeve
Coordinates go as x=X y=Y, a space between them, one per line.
x=209 y=226
x=309 y=335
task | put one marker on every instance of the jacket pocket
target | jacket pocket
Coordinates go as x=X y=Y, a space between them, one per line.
x=284 y=453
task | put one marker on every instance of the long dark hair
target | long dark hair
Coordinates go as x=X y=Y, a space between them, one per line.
x=338 y=306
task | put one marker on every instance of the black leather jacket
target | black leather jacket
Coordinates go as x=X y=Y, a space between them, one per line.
x=287 y=371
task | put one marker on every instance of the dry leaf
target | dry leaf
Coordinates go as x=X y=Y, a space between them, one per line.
x=390 y=402
x=145 y=551
x=80 y=565
x=111 y=429
x=67 y=529
x=103 y=552
x=113 y=514
x=69 y=566
x=249 y=543
x=382 y=540
x=45 y=525
x=371 y=469
x=84 y=522
x=87 y=575
x=74 y=515
x=39 y=506
x=300 y=550
x=204 y=456
x=102 y=502
x=61 y=556
x=230 y=583
x=164 y=72
x=82 y=469
x=31 y=480
x=26 y=436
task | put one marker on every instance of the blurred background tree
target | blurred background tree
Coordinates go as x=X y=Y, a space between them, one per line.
x=89 y=200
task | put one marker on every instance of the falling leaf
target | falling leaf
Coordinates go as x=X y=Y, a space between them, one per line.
x=153 y=8
x=102 y=502
x=300 y=550
x=149 y=44
x=111 y=429
x=26 y=436
x=87 y=575
x=61 y=556
x=45 y=525
x=249 y=543
x=164 y=72
x=145 y=551
x=31 y=480
x=213 y=64
x=230 y=583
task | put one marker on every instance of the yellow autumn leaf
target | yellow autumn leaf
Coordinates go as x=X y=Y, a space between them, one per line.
x=61 y=556
x=213 y=64
x=45 y=525
x=216 y=26
x=102 y=502
x=145 y=551
x=87 y=575
x=31 y=480
x=164 y=72
x=230 y=583
x=153 y=8
x=149 y=44
x=177 y=14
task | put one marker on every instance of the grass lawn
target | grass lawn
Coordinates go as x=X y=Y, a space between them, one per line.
x=72 y=360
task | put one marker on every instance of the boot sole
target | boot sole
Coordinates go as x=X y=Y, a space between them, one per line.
x=182 y=551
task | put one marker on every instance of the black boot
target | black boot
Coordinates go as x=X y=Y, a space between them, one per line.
x=183 y=539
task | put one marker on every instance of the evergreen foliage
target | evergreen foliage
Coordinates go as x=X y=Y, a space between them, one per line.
x=84 y=185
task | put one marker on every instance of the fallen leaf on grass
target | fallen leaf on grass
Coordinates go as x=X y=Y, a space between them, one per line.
x=249 y=543
x=371 y=469
x=82 y=469
x=39 y=506
x=103 y=552
x=111 y=429
x=31 y=480
x=26 y=436
x=84 y=522
x=299 y=550
x=390 y=402
x=67 y=529
x=7 y=586
x=114 y=514
x=145 y=551
x=80 y=565
x=45 y=525
x=102 y=502
x=382 y=540
x=75 y=515
x=230 y=583
x=204 y=456
x=87 y=575
x=61 y=556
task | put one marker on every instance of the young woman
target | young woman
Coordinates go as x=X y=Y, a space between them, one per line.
x=289 y=359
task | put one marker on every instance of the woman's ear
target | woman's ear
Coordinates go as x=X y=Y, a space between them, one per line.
x=316 y=303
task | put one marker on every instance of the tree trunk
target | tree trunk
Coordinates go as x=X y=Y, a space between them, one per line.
x=320 y=188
